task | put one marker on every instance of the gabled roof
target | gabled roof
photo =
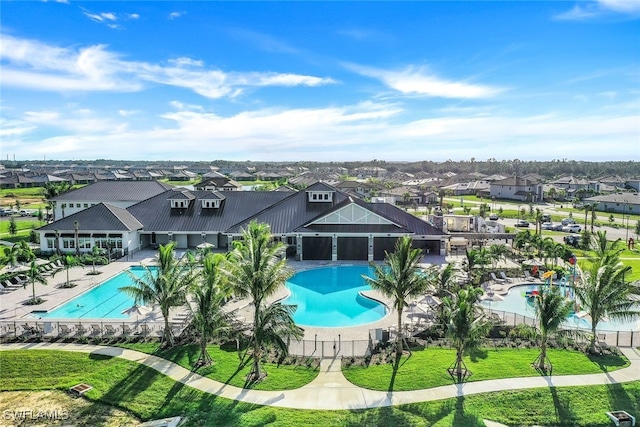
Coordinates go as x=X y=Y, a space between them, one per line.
x=101 y=217
x=157 y=215
x=111 y=191
x=181 y=194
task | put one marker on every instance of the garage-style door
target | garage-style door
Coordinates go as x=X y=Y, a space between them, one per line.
x=382 y=244
x=316 y=248
x=352 y=248
x=429 y=247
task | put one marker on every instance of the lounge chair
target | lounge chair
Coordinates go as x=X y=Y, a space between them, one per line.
x=96 y=330
x=146 y=329
x=529 y=277
x=80 y=330
x=109 y=330
x=8 y=330
x=495 y=279
x=126 y=330
x=64 y=330
x=504 y=277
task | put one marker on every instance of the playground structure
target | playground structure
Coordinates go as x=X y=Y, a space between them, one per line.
x=566 y=285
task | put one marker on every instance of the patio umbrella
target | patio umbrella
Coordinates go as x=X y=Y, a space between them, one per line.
x=137 y=310
x=431 y=301
x=532 y=262
x=205 y=245
x=492 y=296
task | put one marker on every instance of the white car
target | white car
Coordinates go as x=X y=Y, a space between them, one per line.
x=572 y=228
x=568 y=221
x=547 y=226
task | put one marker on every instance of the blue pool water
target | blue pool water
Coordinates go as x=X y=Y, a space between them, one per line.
x=329 y=297
x=103 y=301
x=516 y=302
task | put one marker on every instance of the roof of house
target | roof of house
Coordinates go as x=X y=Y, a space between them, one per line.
x=101 y=217
x=111 y=191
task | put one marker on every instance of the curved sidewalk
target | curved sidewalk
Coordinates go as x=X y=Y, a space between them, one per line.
x=331 y=391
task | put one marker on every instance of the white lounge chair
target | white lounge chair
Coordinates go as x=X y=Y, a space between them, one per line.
x=495 y=279
x=529 y=277
x=504 y=277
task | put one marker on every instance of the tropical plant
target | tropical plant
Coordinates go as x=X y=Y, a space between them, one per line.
x=466 y=325
x=257 y=268
x=603 y=247
x=445 y=282
x=34 y=274
x=274 y=329
x=209 y=295
x=476 y=261
x=97 y=255
x=497 y=253
x=19 y=253
x=605 y=292
x=69 y=261
x=13 y=227
x=551 y=310
x=166 y=285
x=401 y=278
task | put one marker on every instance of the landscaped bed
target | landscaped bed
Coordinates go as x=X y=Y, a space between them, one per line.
x=291 y=373
x=148 y=395
x=428 y=368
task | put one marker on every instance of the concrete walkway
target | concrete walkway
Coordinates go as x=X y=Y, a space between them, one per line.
x=331 y=391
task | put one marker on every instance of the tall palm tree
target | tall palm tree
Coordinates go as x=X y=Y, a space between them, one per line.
x=496 y=253
x=551 y=309
x=97 y=255
x=603 y=247
x=34 y=274
x=605 y=292
x=69 y=261
x=466 y=325
x=444 y=284
x=274 y=328
x=257 y=268
x=209 y=294
x=400 y=278
x=166 y=285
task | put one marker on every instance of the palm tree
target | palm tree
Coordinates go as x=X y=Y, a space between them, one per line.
x=605 y=292
x=19 y=252
x=69 y=261
x=209 y=295
x=97 y=254
x=551 y=309
x=34 y=274
x=466 y=325
x=602 y=247
x=476 y=261
x=166 y=285
x=274 y=328
x=400 y=278
x=256 y=268
x=444 y=284
x=496 y=253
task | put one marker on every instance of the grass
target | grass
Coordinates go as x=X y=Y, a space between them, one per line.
x=485 y=364
x=229 y=369
x=149 y=395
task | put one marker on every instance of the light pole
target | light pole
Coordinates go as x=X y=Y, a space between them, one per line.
x=627 y=231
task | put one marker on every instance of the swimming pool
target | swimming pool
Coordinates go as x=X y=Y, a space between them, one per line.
x=104 y=301
x=330 y=297
x=516 y=302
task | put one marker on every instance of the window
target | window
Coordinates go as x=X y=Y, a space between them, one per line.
x=51 y=242
x=86 y=205
x=84 y=243
x=68 y=243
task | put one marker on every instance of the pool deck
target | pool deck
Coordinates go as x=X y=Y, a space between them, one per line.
x=12 y=303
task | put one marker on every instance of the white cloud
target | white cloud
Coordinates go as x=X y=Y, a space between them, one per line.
x=589 y=10
x=418 y=81
x=175 y=15
x=38 y=66
x=352 y=132
x=133 y=16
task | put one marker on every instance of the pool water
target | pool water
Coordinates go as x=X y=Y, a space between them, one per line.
x=330 y=297
x=103 y=301
x=516 y=302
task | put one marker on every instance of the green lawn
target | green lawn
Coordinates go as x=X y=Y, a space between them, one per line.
x=485 y=364
x=227 y=368
x=149 y=394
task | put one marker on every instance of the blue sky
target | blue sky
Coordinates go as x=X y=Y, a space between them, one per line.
x=320 y=81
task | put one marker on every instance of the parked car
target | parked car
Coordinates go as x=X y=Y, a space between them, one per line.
x=546 y=218
x=572 y=240
x=494 y=217
x=522 y=223
x=3 y=212
x=547 y=226
x=572 y=228
x=568 y=221
x=557 y=227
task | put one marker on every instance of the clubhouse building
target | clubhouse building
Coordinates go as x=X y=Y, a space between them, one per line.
x=317 y=223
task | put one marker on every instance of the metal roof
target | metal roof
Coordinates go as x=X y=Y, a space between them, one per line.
x=101 y=217
x=106 y=191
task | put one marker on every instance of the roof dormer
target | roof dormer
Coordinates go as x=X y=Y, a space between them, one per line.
x=212 y=200
x=320 y=196
x=181 y=200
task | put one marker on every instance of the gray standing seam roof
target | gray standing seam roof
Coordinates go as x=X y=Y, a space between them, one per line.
x=101 y=217
x=107 y=191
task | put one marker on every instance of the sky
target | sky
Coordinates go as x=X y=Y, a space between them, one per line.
x=320 y=81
